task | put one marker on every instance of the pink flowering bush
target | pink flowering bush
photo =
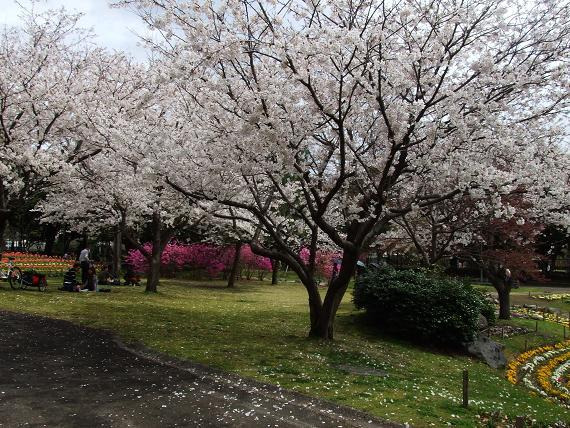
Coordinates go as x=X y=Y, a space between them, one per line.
x=203 y=259
x=252 y=263
x=213 y=261
x=324 y=261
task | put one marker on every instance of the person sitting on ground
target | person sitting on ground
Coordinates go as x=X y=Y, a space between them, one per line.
x=70 y=279
x=131 y=278
x=105 y=276
x=91 y=283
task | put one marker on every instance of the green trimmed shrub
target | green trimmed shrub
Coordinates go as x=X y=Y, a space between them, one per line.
x=420 y=305
x=487 y=308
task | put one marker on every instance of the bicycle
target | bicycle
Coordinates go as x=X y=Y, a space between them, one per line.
x=33 y=279
x=12 y=274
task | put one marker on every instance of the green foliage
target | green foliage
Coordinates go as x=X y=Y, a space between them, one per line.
x=421 y=305
x=487 y=308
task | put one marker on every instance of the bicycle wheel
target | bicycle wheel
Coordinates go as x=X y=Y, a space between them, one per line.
x=15 y=278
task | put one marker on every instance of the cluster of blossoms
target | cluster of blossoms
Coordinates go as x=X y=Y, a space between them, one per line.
x=545 y=370
x=541 y=315
x=556 y=296
x=212 y=259
x=324 y=261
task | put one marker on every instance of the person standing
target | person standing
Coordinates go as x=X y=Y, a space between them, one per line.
x=509 y=280
x=336 y=266
x=84 y=261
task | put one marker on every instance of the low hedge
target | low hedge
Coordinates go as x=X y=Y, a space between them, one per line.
x=421 y=305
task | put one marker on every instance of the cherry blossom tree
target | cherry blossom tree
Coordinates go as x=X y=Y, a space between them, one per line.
x=499 y=238
x=441 y=229
x=118 y=186
x=552 y=243
x=496 y=230
x=505 y=250
x=45 y=74
x=332 y=113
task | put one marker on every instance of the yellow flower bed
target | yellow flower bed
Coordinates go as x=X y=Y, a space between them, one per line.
x=535 y=369
x=556 y=296
x=540 y=315
x=513 y=366
x=544 y=373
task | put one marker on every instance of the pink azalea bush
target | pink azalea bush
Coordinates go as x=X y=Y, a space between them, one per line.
x=212 y=260
x=324 y=261
x=252 y=263
x=215 y=260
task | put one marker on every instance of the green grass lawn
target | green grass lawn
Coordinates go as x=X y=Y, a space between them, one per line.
x=260 y=331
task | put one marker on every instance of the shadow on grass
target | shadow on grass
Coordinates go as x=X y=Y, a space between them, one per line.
x=218 y=286
x=224 y=289
x=372 y=331
x=7 y=289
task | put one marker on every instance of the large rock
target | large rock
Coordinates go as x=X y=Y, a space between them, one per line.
x=489 y=351
x=482 y=322
x=530 y=306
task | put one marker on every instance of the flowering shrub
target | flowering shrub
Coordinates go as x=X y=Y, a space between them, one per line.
x=212 y=260
x=215 y=260
x=545 y=370
x=252 y=263
x=324 y=261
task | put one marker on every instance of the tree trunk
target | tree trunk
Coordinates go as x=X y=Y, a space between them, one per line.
x=504 y=293
x=154 y=262
x=3 y=215
x=117 y=249
x=3 y=224
x=315 y=305
x=323 y=326
x=235 y=265
x=50 y=235
x=504 y=302
x=66 y=242
x=274 y=272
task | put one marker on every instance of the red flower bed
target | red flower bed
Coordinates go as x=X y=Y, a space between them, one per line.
x=38 y=262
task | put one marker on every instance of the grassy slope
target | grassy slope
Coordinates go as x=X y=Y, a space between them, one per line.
x=260 y=331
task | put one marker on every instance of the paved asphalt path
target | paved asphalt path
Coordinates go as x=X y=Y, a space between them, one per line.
x=56 y=374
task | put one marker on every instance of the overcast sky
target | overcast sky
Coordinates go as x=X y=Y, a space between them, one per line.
x=114 y=27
